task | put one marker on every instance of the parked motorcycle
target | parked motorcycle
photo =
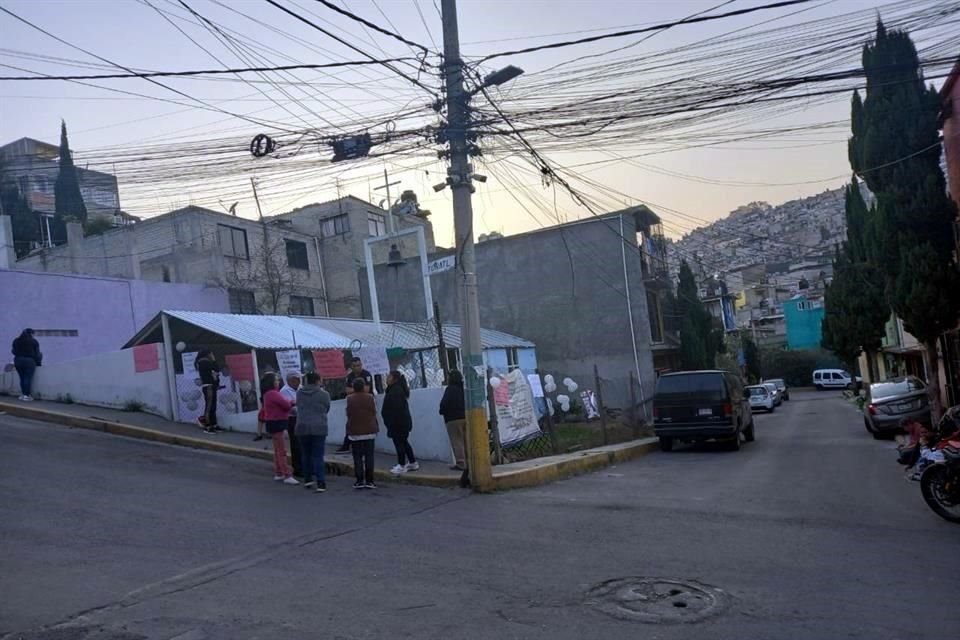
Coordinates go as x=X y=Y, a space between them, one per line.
x=940 y=480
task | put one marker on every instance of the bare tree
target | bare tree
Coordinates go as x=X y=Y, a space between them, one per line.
x=269 y=277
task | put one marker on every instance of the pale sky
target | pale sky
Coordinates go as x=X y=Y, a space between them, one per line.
x=108 y=130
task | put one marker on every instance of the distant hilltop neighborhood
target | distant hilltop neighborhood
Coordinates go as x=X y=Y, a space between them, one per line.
x=760 y=233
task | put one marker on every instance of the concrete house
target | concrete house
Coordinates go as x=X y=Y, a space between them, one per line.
x=265 y=268
x=341 y=226
x=579 y=291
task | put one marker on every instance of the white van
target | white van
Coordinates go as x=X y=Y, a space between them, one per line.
x=832 y=379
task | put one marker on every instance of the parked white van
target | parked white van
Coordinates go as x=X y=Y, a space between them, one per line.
x=832 y=379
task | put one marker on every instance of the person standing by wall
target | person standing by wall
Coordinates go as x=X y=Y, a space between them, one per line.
x=209 y=370
x=26 y=359
x=289 y=391
x=453 y=410
x=313 y=405
x=362 y=429
x=396 y=417
x=276 y=414
x=356 y=372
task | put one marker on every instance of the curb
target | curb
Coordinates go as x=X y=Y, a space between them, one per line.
x=534 y=472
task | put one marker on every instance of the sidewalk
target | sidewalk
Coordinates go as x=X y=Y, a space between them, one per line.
x=436 y=474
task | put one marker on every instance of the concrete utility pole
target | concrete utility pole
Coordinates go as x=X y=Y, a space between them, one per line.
x=459 y=179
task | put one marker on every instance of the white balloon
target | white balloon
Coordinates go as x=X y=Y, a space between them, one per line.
x=562 y=399
x=181 y=346
x=548 y=379
x=550 y=406
x=571 y=385
x=565 y=407
x=549 y=387
x=495 y=382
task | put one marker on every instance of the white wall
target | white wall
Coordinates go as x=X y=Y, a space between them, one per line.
x=104 y=380
x=428 y=438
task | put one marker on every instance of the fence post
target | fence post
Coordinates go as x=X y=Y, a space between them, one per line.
x=492 y=410
x=633 y=408
x=600 y=408
x=549 y=418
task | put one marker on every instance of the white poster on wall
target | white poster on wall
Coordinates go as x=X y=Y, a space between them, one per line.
x=288 y=362
x=374 y=359
x=190 y=363
x=189 y=397
x=535 y=386
x=516 y=413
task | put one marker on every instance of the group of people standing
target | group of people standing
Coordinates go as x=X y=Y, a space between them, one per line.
x=299 y=410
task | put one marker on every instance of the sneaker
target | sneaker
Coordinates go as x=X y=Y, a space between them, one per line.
x=258 y=438
x=309 y=485
x=278 y=478
x=210 y=430
x=322 y=487
x=343 y=450
x=359 y=485
x=370 y=485
x=291 y=481
x=413 y=466
x=26 y=398
x=398 y=470
x=218 y=429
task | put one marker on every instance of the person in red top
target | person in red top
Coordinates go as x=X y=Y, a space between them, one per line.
x=276 y=413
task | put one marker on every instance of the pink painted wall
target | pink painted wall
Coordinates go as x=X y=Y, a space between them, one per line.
x=951 y=139
x=105 y=312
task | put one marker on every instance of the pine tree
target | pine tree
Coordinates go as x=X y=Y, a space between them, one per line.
x=856 y=308
x=699 y=338
x=69 y=201
x=896 y=149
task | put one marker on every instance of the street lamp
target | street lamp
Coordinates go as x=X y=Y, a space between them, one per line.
x=501 y=76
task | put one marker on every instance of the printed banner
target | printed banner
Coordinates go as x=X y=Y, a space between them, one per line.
x=146 y=357
x=374 y=359
x=328 y=364
x=517 y=420
x=240 y=366
x=189 y=360
x=288 y=362
x=536 y=387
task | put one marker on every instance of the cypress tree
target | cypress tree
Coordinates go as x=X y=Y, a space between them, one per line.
x=68 y=199
x=896 y=149
x=699 y=339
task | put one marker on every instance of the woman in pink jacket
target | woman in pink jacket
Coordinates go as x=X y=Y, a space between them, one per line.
x=276 y=411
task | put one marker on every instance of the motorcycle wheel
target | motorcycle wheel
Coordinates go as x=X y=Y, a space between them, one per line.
x=940 y=485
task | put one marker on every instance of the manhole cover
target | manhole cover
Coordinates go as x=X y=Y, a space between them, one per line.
x=656 y=600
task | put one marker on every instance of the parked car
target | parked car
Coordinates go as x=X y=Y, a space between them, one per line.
x=833 y=379
x=775 y=392
x=781 y=387
x=760 y=398
x=887 y=403
x=692 y=406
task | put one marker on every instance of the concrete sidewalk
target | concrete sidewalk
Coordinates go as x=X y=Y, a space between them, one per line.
x=437 y=474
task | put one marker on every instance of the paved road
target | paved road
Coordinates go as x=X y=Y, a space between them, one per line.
x=810 y=532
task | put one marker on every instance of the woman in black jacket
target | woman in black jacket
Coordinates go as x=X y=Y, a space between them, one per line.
x=454 y=415
x=26 y=359
x=396 y=417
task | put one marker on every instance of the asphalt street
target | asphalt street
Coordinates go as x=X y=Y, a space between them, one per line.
x=810 y=532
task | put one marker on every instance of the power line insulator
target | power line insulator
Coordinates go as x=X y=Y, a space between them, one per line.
x=262 y=145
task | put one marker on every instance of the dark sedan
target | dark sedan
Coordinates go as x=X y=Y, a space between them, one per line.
x=888 y=403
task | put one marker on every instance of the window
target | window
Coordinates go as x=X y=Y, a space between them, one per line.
x=335 y=226
x=513 y=359
x=297 y=255
x=242 y=301
x=377 y=224
x=165 y=273
x=301 y=306
x=233 y=241
x=453 y=358
x=653 y=313
x=836 y=376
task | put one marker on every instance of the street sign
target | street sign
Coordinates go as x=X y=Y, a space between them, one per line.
x=441 y=264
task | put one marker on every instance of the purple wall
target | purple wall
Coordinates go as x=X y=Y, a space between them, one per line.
x=105 y=312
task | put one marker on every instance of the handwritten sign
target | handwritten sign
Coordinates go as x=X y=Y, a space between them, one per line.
x=146 y=357
x=535 y=386
x=440 y=265
x=329 y=363
x=288 y=362
x=189 y=363
x=374 y=359
x=241 y=366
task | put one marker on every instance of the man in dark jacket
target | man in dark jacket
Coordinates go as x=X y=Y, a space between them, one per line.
x=357 y=372
x=26 y=359
x=453 y=410
x=209 y=372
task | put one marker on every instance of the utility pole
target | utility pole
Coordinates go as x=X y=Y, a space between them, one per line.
x=459 y=179
x=386 y=185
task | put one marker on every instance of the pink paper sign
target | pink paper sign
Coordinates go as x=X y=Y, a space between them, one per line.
x=240 y=365
x=329 y=363
x=501 y=393
x=146 y=357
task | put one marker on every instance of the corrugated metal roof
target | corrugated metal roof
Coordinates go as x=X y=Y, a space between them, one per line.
x=277 y=332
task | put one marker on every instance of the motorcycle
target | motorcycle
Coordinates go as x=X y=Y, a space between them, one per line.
x=940 y=480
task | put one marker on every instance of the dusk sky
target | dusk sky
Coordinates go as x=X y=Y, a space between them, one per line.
x=683 y=173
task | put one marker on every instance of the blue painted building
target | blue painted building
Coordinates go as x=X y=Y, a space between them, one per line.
x=803 y=316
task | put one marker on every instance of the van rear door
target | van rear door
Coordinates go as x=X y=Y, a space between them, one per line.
x=692 y=398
